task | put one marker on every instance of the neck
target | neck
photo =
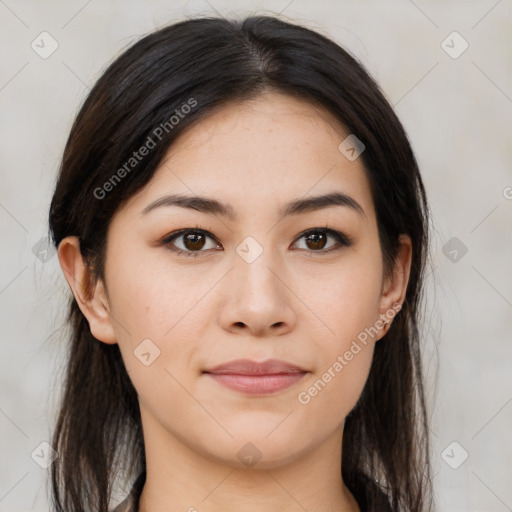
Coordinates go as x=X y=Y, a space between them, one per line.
x=178 y=478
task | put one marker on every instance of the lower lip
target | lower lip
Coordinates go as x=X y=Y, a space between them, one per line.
x=257 y=384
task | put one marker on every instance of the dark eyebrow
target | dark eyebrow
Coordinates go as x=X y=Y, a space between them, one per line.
x=295 y=207
x=311 y=204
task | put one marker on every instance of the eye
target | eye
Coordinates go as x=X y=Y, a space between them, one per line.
x=316 y=239
x=193 y=241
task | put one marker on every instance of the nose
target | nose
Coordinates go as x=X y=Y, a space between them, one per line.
x=259 y=300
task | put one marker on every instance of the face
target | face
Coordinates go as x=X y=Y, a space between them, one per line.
x=191 y=288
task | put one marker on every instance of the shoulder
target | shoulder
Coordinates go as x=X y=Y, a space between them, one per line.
x=124 y=506
x=131 y=502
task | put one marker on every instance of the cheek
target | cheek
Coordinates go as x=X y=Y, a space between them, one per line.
x=150 y=298
x=155 y=317
x=329 y=395
x=347 y=302
x=345 y=296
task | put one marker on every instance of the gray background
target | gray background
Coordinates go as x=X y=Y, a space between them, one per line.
x=457 y=112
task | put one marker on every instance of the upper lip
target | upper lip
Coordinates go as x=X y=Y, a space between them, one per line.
x=248 y=367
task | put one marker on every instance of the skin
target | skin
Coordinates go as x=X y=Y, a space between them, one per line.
x=292 y=303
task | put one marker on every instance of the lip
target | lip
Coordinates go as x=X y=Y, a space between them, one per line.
x=257 y=378
x=249 y=367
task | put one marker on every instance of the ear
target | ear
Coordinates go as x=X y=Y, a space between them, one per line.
x=91 y=298
x=395 y=287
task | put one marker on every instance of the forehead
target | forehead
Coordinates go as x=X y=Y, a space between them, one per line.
x=259 y=154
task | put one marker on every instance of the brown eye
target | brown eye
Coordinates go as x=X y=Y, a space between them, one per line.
x=316 y=240
x=193 y=241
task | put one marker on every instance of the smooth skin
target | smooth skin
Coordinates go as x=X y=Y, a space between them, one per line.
x=295 y=302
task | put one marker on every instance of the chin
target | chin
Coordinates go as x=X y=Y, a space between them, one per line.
x=252 y=453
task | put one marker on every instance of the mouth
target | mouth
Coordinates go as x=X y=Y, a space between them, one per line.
x=257 y=384
x=254 y=378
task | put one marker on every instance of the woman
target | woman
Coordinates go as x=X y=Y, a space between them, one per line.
x=244 y=229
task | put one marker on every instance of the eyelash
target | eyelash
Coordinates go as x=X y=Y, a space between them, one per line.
x=342 y=239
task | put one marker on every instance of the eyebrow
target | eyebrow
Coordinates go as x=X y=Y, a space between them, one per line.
x=298 y=206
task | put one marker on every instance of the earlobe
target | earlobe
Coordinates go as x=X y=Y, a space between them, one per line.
x=395 y=288
x=91 y=297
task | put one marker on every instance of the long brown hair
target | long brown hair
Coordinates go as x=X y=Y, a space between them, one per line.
x=214 y=61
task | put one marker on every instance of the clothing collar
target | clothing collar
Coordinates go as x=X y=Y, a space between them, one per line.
x=131 y=502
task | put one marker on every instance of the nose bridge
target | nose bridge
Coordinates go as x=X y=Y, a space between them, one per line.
x=258 y=295
x=256 y=265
